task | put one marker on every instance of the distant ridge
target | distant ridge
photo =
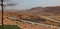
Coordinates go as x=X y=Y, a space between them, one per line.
x=50 y=9
x=53 y=9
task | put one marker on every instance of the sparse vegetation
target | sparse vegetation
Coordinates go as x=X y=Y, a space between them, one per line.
x=33 y=17
x=10 y=27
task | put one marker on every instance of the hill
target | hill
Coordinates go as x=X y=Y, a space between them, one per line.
x=35 y=18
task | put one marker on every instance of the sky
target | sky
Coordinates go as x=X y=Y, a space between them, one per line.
x=27 y=4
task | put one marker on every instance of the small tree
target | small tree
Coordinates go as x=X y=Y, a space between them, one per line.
x=3 y=5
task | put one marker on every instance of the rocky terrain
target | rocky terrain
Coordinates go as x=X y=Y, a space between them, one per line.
x=35 y=18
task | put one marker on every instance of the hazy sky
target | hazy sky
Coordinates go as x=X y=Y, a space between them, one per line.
x=26 y=4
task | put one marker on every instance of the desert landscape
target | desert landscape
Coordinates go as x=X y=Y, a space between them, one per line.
x=34 y=18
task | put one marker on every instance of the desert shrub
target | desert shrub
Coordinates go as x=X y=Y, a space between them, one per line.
x=34 y=19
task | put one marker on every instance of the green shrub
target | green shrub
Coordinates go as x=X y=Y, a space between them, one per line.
x=10 y=27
